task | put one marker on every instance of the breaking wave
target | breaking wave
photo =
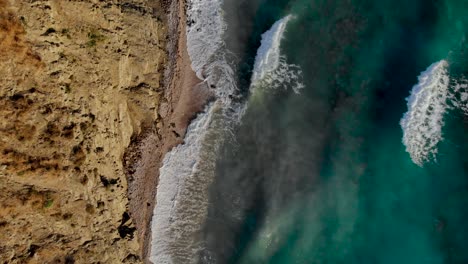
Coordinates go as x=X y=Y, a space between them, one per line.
x=422 y=125
x=207 y=49
x=188 y=170
x=182 y=196
x=178 y=166
x=271 y=70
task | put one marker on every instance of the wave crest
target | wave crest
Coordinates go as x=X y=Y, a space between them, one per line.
x=434 y=94
x=422 y=124
x=271 y=70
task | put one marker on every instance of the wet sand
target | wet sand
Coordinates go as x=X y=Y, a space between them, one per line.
x=185 y=95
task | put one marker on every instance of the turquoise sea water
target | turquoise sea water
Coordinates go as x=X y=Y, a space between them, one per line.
x=322 y=176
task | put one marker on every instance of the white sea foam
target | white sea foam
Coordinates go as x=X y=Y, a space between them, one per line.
x=188 y=170
x=422 y=124
x=268 y=55
x=434 y=94
x=271 y=70
x=182 y=193
x=206 y=47
x=459 y=95
x=178 y=165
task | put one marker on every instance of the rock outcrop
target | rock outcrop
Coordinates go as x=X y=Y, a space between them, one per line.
x=78 y=81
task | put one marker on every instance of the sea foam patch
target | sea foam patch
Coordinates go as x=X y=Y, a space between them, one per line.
x=459 y=97
x=434 y=94
x=422 y=124
x=206 y=47
x=271 y=70
x=168 y=225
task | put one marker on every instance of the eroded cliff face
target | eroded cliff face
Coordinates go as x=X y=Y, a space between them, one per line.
x=78 y=80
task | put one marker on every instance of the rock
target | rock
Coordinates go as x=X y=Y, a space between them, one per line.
x=79 y=80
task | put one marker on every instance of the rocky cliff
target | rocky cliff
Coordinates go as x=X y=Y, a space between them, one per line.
x=79 y=80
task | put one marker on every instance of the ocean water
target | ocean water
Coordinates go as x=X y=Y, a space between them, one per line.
x=339 y=134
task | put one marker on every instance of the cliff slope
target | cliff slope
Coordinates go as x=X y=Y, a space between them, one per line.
x=78 y=80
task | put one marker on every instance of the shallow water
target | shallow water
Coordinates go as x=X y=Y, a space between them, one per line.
x=322 y=173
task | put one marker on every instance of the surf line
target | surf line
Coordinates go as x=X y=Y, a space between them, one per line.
x=188 y=170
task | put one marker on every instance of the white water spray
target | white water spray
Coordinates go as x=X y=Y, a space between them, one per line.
x=422 y=125
x=271 y=71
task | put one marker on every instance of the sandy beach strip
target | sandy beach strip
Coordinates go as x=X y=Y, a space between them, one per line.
x=185 y=95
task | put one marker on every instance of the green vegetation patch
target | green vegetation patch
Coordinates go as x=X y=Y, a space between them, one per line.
x=49 y=201
x=94 y=37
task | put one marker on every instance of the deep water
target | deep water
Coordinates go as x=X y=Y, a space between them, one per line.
x=323 y=176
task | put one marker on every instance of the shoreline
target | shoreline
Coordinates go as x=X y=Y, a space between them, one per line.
x=184 y=97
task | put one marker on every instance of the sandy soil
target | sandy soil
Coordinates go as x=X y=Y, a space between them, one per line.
x=184 y=97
